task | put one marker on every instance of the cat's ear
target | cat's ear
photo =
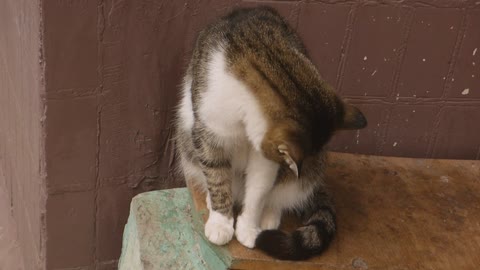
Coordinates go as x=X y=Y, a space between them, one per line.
x=292 y=155
x=353 y=118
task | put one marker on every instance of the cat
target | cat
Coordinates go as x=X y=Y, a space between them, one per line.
x=251 y=127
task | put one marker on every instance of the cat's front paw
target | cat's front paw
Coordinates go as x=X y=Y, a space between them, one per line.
x=219 y=228
x=246 y=232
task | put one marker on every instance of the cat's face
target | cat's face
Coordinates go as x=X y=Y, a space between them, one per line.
x=289 y=143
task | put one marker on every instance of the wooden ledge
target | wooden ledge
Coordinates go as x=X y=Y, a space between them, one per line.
x=393 y=213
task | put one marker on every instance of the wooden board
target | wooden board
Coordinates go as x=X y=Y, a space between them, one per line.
x=393 y=213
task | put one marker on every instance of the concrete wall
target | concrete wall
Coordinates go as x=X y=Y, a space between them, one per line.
x=112 y=70
x=21 y=134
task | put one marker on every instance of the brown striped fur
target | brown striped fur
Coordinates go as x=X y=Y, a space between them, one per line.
x=302 y=112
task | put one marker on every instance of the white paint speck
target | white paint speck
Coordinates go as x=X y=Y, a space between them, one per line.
x=443 y=78
x=373 y=73
x=451 y=27
x=453 y=79
x=413 y=110
x=473 y=63
x=465 y=91
x=358 y=136
x=444 y=179
x=365 y=94
x=424 y=59
x=365 y=58
x=474 y=51
x=473 y=75
x=394 y=144
x=385 y=59
x=415 y=96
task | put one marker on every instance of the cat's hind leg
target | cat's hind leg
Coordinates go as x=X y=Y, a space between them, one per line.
x=271 y=218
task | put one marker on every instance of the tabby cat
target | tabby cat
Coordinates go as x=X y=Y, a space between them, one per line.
x=251 y=126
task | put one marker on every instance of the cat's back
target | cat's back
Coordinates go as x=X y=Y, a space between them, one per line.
x=249 y=68
x=222 y=97
x=243 y=28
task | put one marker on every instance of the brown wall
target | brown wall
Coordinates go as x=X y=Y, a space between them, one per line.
x=112 y=70
x=21 y=133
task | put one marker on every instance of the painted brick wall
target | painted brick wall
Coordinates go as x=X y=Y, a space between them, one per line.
x=412 y=67
x=112 y=71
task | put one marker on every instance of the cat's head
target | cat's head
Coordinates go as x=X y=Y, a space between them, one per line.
x=289 y=141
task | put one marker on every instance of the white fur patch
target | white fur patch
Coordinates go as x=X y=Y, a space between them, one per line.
x=186 y=109
x=261 y=174
x=271 y=218
x=245 y=233
x=219 y=229
x=288 y=195
x=229 y=108
x=193 y=174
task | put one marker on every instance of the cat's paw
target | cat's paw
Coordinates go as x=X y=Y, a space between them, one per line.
x=246 y=233
x=270 y=219
x=219 y=228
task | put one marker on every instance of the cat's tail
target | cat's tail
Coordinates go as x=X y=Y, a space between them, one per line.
x=305 y=242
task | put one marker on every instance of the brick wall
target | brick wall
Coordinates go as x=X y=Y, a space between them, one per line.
x=112 y=71
x=406 y=65
x=412 y=67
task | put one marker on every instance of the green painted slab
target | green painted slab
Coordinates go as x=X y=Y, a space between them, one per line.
x=165 y=232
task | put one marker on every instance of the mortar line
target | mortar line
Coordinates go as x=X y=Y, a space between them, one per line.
x=448 y=82
x=345 y=46
x=100 y=33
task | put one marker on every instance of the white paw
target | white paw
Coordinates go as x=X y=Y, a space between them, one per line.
x=219 y=229
x=246 y=232
x=270 y=220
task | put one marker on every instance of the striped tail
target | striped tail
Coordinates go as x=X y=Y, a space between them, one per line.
x=304 y=242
